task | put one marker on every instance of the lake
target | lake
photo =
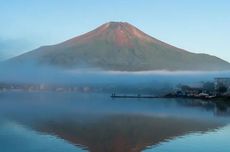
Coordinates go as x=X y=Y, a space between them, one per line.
x=78 y=122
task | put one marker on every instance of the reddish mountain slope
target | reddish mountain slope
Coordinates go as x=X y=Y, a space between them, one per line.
x=121 y=46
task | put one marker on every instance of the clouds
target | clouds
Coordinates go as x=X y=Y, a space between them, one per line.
x=29 y=72
x=158 y=82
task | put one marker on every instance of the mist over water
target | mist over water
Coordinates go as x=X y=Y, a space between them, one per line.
x=95 y=122
x=30 y=73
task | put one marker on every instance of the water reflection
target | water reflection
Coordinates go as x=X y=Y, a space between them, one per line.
x=219 y=108
x=215 y=141
x=15 y=137
x=122 y=133
x=99 y=124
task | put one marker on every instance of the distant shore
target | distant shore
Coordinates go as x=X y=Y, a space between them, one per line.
x=214 y=98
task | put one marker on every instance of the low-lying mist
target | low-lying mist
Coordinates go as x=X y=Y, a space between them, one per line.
x=100 y=80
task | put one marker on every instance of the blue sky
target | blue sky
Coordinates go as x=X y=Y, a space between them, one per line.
x=195 y=25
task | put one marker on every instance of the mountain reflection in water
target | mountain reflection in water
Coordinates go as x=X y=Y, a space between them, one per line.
x=100 y=124
x=123 y=133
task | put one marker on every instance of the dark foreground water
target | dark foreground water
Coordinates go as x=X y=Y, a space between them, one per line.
x=70 y=122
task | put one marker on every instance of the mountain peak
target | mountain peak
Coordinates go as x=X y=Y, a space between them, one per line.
x=115 y=25
x=120 y=26
x=121 y=34
x=118 y=33
x=122 y=46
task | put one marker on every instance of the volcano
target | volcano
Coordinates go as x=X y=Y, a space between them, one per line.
x=120 y=46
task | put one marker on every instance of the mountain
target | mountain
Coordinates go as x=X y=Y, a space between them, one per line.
x=121 y=46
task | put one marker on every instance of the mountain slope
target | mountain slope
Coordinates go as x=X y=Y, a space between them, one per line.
x=121 y=46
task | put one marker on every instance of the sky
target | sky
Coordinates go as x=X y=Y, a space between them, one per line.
x=200 y=26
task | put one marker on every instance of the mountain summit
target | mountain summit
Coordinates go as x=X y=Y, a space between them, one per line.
x=121 y=46
x=120 y=33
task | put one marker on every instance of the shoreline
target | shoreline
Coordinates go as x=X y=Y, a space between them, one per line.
x=219 y=98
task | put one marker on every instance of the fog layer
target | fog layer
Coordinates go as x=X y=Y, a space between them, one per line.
x=31 y=74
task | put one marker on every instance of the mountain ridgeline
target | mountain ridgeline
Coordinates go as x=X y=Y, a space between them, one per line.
x=120 y=46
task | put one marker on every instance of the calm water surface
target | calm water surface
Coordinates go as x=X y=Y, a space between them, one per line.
x=75 y=122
